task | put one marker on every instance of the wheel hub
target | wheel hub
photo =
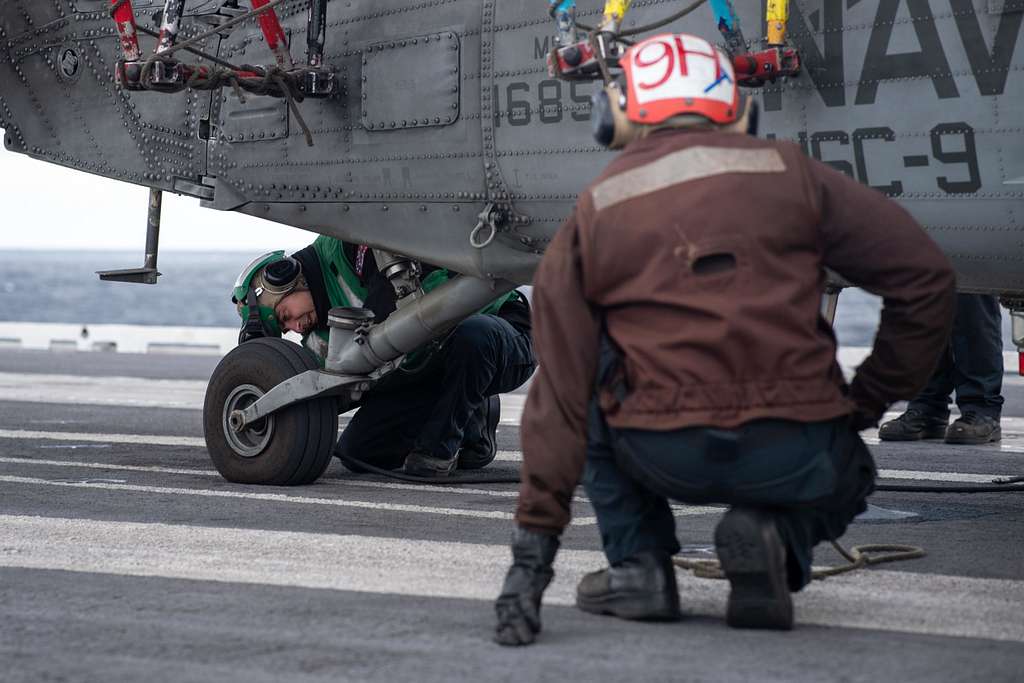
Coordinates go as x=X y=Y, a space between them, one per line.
x=250 y=441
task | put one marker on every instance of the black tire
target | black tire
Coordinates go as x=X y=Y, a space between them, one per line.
x=293 y=446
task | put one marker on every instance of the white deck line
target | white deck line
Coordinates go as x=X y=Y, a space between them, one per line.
x=143 y=393
x=152 y=439
x=90 y=437
x=108 y=391
x=190 y=394
x=502 y=456
x=893 y=601
x=197 y=442
x=679 y=509
x=107 y=485
x=952 y=477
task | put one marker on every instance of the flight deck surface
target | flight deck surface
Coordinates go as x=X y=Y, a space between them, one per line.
x=124 y=556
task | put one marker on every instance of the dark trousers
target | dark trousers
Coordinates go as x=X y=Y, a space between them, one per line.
x=813 y=477
x=972 y=363
x=430 y=410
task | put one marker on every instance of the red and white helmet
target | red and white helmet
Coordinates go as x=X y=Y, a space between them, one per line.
x=672 y=75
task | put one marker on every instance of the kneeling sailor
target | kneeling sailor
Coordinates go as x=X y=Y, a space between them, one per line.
x=689 y=279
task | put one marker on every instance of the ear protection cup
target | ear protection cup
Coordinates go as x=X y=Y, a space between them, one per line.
x=611 y=127
x=602 y=121
x=749 y=118
x=625 y=130
x=281 y=273
x=753 y=115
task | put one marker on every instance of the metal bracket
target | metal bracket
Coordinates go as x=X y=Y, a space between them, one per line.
x=302 y=387
x=231 y=12
x=403 y=273
x=195 y=190
x=487 y=225
x=147 y=274
x=169 y=75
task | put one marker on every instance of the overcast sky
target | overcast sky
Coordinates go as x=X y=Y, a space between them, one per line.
x=44 y=206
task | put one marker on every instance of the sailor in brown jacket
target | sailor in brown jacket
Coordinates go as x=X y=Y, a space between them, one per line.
x=683 y=354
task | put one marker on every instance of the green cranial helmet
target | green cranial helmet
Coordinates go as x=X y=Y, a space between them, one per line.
x=260 y=287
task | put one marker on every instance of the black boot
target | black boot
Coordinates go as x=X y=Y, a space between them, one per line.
x=422 y=464
x=913 y=425
x=754 y=560
x=480 y=442
x=640 y=587
x=974 y=428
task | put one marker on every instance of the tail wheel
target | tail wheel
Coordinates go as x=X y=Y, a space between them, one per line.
x=293 y=446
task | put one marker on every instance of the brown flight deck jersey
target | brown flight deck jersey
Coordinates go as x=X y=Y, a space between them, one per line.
x=703 y=254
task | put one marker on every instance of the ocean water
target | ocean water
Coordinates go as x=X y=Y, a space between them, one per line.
x=62 y=287
x=195 y=290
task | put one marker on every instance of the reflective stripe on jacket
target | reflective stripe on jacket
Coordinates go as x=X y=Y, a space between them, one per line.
x=702 y=254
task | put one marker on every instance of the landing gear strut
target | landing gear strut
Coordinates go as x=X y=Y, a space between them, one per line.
x=271 y=413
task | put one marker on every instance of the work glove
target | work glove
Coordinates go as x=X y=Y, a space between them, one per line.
x=518 y=606
x=863 y=418
x=866 y=414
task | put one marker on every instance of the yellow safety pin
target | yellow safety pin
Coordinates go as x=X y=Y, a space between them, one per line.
x=615 y=11
x=777 y=16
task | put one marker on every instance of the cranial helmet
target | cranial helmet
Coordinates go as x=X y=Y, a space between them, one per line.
x=671 y=81
x=260 y=287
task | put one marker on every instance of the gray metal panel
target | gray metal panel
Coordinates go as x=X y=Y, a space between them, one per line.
x=927 y=107
x=421 y=164
x=413 y=190
x=411 y=82
x=542 y=131
x=59 y=103
x=909 y=134
x=258 y=119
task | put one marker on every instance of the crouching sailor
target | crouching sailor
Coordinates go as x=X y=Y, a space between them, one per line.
x=440 y=411
x=682 y=353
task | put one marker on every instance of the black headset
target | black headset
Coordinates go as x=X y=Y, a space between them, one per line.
x=754 y=122
x=602 y=118
x=276 y=274
x=603 y=114
x=253 y=327
x=282 y=272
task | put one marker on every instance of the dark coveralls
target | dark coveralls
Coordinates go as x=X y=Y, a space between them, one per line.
x=438 y=408
x=971 y=365
x=813 y=476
